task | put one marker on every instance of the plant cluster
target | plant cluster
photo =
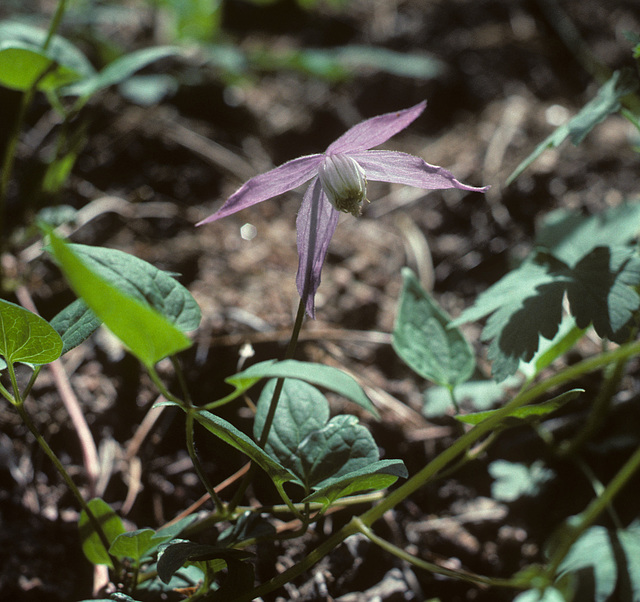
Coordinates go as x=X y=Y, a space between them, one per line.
x=582 y=278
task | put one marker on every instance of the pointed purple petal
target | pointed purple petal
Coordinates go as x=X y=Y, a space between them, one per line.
x=316 y=223
x=288 y=176
x=375 y=131
x=401 y=168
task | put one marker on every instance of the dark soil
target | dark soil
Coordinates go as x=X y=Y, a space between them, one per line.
x=152 y=173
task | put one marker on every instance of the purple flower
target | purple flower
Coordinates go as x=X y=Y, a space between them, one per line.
x=339 y=184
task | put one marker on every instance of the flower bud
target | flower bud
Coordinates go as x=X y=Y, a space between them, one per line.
x=344 y=183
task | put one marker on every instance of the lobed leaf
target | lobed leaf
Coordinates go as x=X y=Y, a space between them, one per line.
x=425 y=340
x=606 y=102
x=26 y=337
x=328 y=377
x=147 y=333
x=111 y=525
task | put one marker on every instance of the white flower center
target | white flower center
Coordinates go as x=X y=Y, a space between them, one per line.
x=344 y=183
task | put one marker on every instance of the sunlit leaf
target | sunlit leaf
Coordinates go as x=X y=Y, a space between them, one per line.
x=513 y=480
x=132 y=544
x=425 y=340
x=26 y=337
x=111 y=525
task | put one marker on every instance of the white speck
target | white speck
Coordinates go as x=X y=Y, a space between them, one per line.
x=248 y=231
x=556 y=115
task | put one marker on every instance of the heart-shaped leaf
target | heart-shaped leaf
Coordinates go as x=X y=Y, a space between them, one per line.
x=26 y=337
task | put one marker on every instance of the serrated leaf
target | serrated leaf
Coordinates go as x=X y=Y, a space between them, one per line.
x=75 y=324
x=147 y=333
x=26 y=337
x=514 y=480
x=119 y=70
x=524 y=413
x=23 y=62
x=132 y=544
x=569 y=235
x=328 y=377
x=606 y=102
x=177 y=553
x=143 y=281
x=231 y=435
x=425 y=340
x=111 y=525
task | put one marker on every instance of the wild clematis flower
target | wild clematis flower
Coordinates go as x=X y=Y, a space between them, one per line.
x=339 y=184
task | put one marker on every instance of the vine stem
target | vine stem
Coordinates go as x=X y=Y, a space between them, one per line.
x=459 y=447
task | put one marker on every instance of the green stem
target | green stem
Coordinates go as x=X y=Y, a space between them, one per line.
x=55 y=23
x=593 y=510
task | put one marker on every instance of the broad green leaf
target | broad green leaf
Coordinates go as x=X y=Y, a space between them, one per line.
x=425 y=340
x=133 y=544
x=514 y=480
x=23 y=62
x=328 y=377
x=373 y=477
x=26 y=337
x=119 y=70
x=75 y=324
x=530 y=412
x=147 y=333
x=606 y=102
x=549 y=594
x=231 y=435
x=143 y=281
x=111 y=525
x=570 y=235
x=177 y=553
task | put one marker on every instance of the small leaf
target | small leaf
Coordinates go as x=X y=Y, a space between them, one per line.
x=328 y=377
x=606 y=102
x=133 y=544
x=147 y=333
x=524 y=413
x=228 y=433
x=75 y=324
x=550 y=594
x=91 y=542
x=514 y=480
x=26 y=337
x=425 y=340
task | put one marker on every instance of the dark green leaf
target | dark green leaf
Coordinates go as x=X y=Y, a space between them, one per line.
x=249 y=525
x=426 y=341
x=91 y=542
x=26 y=337
x=606 y=102
x=328 y=377
x=75 y=323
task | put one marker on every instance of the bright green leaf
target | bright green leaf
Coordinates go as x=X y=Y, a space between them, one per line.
x=514 y=480
x=75 y=324
x=26 y=337
x=425 y=340
x=328 y=377
x=147 y=333
x=132 y=544
x=606 y=102
x=91 y=542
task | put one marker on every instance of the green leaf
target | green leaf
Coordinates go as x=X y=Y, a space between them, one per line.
x=337 y=456
x=231 y=435
x=569 y=235
x=550 y=594
x=328 y=377
x=426 y=341
x=524 y=413
x=250 y=525
x=75 y=324
x=147 y=333
x=26 y=337
x=132 y=544
x=111 y=525
x=143 y=281
x=514 y=480
x=23 y=62
x=177 y=553
x=606 y=102
x=119 y=70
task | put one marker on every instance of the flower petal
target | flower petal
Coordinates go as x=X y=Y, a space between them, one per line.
x=375 y=131
x=402 y=168
x=286 y=177
x=316 y=223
